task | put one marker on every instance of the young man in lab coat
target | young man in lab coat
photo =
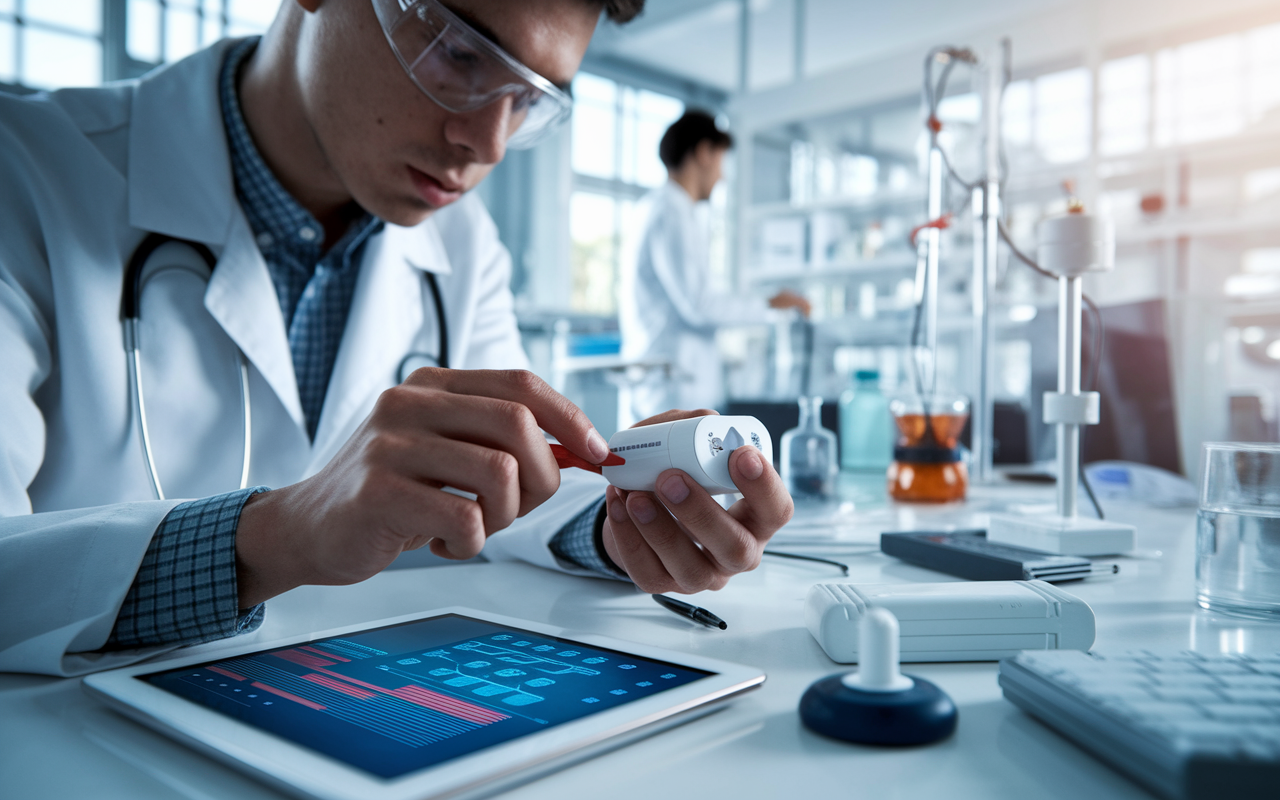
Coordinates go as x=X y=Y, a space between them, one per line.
x=326 y=168
x=668 y=310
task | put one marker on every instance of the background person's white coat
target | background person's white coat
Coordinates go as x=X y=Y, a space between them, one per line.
x=87 y=173
x=668 y=310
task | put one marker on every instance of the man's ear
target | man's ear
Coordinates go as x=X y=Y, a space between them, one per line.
x=704 y=152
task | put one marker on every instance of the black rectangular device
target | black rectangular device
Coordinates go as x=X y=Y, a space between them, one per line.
x=968 y=554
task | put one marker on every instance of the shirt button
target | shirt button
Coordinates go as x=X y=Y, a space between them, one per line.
x=265 y=240
x=307 y=234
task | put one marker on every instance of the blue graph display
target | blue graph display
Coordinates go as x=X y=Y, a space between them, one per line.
x=402 y=698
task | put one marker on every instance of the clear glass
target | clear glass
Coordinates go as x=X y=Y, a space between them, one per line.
x=866 y=427
x=809 y=454
x=1238 y=530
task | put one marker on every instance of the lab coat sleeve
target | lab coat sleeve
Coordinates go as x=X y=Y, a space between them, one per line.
x=63 y=575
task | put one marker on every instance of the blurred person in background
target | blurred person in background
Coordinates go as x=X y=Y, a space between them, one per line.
x=668 y=309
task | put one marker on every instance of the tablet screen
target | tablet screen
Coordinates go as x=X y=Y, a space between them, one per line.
x=401 y=698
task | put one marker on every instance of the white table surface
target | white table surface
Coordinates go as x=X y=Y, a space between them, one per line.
x=55 y=742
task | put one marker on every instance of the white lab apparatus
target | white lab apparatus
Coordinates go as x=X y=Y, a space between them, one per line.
x=956 y=621
x=1070 y=245
x=699 y=445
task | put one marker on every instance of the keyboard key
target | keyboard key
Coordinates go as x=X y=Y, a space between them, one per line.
x=1225 y=668
x=1186 y=695
x=1166 y=712
x=1249 y=681
x=1228 y=712
x=1261 y=696
x=1188 y=681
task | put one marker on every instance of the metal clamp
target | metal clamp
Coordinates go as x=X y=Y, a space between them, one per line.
x=1072 y=409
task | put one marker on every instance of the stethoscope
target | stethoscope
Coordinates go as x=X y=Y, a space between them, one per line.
x=136 y=277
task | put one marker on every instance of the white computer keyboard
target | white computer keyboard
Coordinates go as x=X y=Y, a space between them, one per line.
x=1185 y=725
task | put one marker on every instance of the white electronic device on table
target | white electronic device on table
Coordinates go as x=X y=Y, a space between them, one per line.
x=956 y=621
x=449 y=703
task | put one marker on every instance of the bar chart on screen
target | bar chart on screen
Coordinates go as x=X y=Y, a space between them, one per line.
x=395 y=699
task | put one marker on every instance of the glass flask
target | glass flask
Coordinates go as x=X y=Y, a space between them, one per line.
x=866 y=427
x=928 y=466
x=809 y=454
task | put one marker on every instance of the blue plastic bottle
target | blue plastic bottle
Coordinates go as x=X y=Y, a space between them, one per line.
x=866 y=427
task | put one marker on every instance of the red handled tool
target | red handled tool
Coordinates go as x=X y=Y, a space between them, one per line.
x=566 y=459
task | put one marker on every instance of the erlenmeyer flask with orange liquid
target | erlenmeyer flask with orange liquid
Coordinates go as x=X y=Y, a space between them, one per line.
x=927 y=463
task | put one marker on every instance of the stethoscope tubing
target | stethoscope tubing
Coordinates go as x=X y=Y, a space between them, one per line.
x=131 y=317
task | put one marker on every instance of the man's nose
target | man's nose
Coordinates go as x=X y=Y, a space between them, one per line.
x=484 y=131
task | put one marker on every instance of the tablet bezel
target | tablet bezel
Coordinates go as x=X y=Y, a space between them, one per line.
x=305 y=772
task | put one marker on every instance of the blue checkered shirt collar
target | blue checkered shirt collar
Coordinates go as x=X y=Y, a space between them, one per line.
x=287 y=234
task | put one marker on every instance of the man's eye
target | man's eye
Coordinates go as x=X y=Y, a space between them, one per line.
x=462 y=56
x=526 y=99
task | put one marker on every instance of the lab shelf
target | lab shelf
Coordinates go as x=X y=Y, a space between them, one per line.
x=871 y=266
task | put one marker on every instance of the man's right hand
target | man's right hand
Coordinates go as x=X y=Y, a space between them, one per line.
x=478 y=431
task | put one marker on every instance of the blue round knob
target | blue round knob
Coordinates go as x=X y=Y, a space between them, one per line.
x=918 y=715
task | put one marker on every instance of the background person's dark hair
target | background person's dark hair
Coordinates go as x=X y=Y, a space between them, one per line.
x=620 y=11
x=686 y=133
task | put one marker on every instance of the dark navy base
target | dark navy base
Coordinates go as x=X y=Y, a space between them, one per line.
x=919 y=715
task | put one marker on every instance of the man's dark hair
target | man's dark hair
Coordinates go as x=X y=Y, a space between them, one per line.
x=686 y=133
x=620 y=11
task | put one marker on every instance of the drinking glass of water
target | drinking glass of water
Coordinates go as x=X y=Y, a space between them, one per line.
x=1238 y=530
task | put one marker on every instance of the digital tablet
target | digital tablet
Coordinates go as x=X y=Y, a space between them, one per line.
x=447 y=703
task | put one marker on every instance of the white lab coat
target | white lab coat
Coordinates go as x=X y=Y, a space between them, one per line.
x=86 y=174
x=668 y=310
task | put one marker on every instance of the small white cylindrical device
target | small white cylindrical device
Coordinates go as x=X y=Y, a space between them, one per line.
x=1075 y=243
x=699 y=445
x=878 y=654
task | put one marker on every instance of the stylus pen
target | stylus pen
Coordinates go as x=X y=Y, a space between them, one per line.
x=690 y=611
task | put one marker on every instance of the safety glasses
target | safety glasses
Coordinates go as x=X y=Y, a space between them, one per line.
x=462 y=71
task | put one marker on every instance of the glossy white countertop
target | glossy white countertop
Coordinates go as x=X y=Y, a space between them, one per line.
x=55 y=742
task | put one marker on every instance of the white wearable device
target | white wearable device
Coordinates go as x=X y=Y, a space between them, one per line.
x=700 y=446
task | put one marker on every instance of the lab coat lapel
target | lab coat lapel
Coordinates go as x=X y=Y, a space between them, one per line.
x=179 y=166
x=180 y=185
x=242 y=298
x=386 y=318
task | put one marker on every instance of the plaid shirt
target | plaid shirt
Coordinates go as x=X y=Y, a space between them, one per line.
x=185 y=591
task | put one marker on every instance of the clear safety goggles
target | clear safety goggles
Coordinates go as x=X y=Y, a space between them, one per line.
x=462 y=71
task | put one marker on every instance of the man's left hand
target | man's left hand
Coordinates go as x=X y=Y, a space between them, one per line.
x=679 y=539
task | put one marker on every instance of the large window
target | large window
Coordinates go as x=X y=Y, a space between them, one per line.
x=160 y=31
x=1050 y=115
x=49 y=44
x=616 y=130
x=46 y=44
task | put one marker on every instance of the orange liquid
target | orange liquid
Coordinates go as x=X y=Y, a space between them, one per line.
x=946 y=428
x=929 y=483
